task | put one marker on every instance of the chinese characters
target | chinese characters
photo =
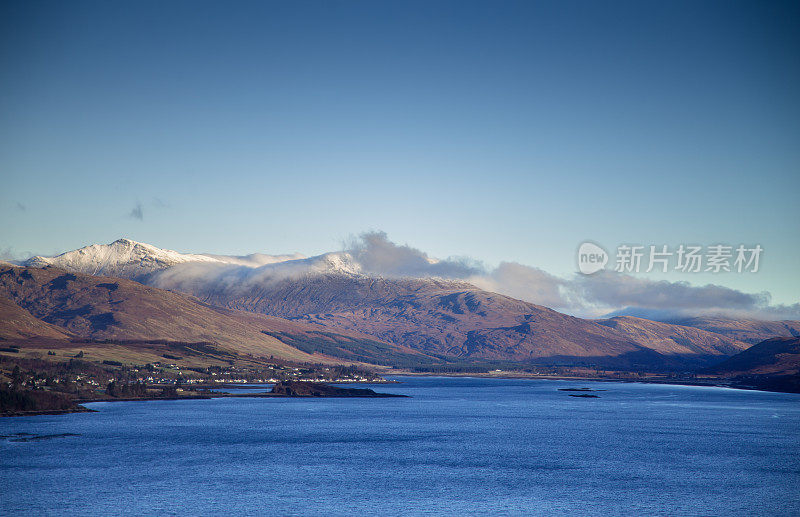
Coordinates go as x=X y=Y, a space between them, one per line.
x=717 y=258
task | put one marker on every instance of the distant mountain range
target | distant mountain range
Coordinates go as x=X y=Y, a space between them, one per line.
x=409 y=319
x=749 y=331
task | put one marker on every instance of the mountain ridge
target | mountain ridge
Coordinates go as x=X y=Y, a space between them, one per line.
x=444 y=317
x=55 y=306
x=136 y=260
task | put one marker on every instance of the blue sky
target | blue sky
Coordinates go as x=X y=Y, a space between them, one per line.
x=494 y=130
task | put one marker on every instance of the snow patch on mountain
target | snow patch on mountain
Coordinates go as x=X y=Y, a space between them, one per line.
x=136 y=260
x=130 y=259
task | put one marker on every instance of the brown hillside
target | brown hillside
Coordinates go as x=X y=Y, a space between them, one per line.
x=42 y=302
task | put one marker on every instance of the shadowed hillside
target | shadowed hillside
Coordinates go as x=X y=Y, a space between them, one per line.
x=777 y=356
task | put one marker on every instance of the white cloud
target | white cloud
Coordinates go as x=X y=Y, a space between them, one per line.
x=586 y=296
x=581 y=295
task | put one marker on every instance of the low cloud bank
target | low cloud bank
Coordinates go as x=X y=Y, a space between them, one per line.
x=587 y=296
x=602 y=294
x=377 y=254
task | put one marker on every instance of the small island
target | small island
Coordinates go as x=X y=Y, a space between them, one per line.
x=319 y=389
x=578 y=389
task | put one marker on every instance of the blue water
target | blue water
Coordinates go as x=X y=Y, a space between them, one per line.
x=458 y=446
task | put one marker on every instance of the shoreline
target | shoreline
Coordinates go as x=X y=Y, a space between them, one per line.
x=268 y=394
x=337 y=393
x=79 y=409
x=708 y=383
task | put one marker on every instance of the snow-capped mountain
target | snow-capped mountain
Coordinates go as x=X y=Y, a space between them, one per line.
x=126 y=258
x=123 y=258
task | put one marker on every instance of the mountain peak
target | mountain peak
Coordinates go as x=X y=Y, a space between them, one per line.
x=128 y=258
x=123 y=257
x=124 y=241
